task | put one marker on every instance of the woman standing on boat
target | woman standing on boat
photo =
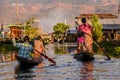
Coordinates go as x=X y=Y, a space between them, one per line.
x=87 y=30
x=38 y=45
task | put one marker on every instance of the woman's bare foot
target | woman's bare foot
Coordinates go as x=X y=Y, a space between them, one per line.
x=40 y=65
x=52 y=64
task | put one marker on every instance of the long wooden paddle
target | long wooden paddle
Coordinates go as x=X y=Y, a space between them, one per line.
x=105 y=53
x=50 y=59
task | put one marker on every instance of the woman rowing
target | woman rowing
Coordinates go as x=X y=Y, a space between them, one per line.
x=87 y=30
x=38 y=45
x=25 y=50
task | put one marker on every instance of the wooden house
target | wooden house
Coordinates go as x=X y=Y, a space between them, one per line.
x=71 y=35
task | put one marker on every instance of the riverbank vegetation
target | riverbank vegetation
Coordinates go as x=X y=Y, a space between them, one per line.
x=111 y=47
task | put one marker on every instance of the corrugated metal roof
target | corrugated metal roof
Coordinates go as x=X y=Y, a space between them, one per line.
x=111 y=26
x=71 y=31
x=109 y=21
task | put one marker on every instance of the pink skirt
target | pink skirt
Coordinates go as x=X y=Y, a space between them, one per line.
x=80 y=39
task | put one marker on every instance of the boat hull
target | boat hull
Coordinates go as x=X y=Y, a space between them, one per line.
x=25 y=63
x=84 y=57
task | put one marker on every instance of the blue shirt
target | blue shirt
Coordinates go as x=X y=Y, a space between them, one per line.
x=24 y=49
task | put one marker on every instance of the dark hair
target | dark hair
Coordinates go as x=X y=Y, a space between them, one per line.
x=38 y=38
x=84 y=21
x=26 y=38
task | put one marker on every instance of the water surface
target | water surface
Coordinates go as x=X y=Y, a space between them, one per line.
x=66 y=68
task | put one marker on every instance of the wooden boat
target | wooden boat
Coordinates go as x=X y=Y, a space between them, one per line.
x=84 y=56
x=25 y=63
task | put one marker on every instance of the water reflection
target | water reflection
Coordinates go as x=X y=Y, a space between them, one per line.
x=61 y=48
x=86 y=71
x=66 y=68
x=9 y=56
x=23 y=74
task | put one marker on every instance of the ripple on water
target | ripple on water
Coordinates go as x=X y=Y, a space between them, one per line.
x=7 y=70
x=109 y=70
x=67 y=68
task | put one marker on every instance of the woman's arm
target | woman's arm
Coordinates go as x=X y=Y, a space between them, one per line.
x=13 y=39
x=14 y=42
x=43 y=48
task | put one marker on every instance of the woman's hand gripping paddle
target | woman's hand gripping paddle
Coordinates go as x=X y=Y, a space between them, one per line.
x=51 y=60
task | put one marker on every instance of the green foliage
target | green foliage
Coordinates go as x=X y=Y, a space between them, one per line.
x=97 y=28
x=116 y=52
x=29 y=30
x=46 y=41
x=60 y=50
x=60 y=27
x=7 y=47
x=111 y=47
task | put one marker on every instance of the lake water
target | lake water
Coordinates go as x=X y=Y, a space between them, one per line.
x=66 y=68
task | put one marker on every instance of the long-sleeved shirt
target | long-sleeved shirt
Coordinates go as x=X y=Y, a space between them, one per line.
x=86 y=29
x=24 y=49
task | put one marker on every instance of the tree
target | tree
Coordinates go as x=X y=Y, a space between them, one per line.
x=60 y=29
x=29 y=30
x=97 y=28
